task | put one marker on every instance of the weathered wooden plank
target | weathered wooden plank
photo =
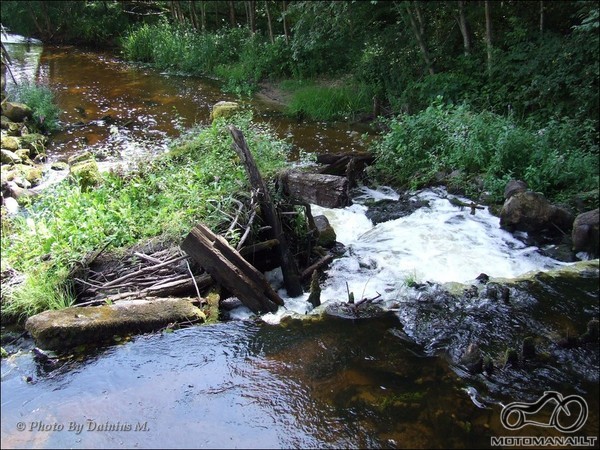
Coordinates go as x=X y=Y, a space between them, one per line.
x=238 y=277
x=291 y=277
x=328 y=191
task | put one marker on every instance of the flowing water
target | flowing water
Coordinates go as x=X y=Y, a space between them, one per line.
x=298 y=378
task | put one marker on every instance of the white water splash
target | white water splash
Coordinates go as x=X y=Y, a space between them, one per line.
x=438 y=243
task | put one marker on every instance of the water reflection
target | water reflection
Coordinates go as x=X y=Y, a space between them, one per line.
x=333 y=384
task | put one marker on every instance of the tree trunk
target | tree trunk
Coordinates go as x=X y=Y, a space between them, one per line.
x=291 y=277
x=464 y=27
x=283 y=14
x=203 y=16
x=417 y=24
x=269 y=22
x=541 y=16
x=193 y=15
x=488 y=35
x=232 y=20
x=252 y=15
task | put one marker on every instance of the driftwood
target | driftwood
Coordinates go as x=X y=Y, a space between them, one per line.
x=158 y=274
x=289 y=268
x=317 y=265
x=473 y=206
x=230 y=269
x=349 y=165
x=329 y=191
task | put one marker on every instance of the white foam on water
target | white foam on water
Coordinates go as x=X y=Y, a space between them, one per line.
x=438 y=243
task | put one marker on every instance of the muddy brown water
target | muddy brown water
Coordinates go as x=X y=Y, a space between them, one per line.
x=121 y=111
x=390 y=382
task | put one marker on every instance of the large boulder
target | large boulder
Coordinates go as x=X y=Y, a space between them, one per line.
x=224 y=109
x=11 y=143
x=17 y=112
x=514 y=187
x=585 y=233
x=532 y=212
x=85 y=170
x=70 y=327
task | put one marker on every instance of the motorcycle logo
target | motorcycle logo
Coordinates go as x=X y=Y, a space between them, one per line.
x=569 y=415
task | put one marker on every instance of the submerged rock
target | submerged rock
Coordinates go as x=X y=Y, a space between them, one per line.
x=386 y=210
x=70 y=327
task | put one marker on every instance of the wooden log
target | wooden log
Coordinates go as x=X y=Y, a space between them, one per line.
x=228 y=268
x=314 y=267
x=291 y=277
x=328 y=191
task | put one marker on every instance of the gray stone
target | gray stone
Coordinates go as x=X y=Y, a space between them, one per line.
x=17 y=112
x=70 y=327
x=514 y=187
x=585 y=233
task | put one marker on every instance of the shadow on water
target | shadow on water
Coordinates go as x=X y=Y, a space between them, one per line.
x=246 y=384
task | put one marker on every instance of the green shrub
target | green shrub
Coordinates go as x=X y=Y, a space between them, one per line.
x=559 y=160
x=40 y=99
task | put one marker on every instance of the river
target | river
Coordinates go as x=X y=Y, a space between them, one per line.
x=282 y=381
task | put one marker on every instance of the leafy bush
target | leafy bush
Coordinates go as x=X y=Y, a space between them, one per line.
x=165 y=197
x=40 y=99
x=559 y=160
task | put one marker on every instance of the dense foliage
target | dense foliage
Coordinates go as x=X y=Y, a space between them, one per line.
x=536 y=60
x=560 y=160
x=196 y=181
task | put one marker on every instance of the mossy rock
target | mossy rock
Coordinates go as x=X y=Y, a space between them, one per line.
x=10 y=157
x=224 y=110
x=77 y=159
x=35 y=142
x=32 y=174
x=59 y=165
x=17 y=112
x=87 y=174
x=70 y=327
x=11 y=143
x=23 y=153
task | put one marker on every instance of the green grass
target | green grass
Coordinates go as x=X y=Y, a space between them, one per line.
x=40 y=99
x=196 y=181
x=329 y=102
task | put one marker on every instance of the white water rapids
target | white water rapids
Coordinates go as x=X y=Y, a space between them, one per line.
x=439 y=243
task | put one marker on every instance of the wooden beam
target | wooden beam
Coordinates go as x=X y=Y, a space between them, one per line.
x=291 y=277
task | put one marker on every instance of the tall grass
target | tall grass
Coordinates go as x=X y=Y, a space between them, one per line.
x=560 y=159
x=329 y=102
x=165 y=197
x=40 y=99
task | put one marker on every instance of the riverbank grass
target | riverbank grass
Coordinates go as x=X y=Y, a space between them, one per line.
x=198 y=180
